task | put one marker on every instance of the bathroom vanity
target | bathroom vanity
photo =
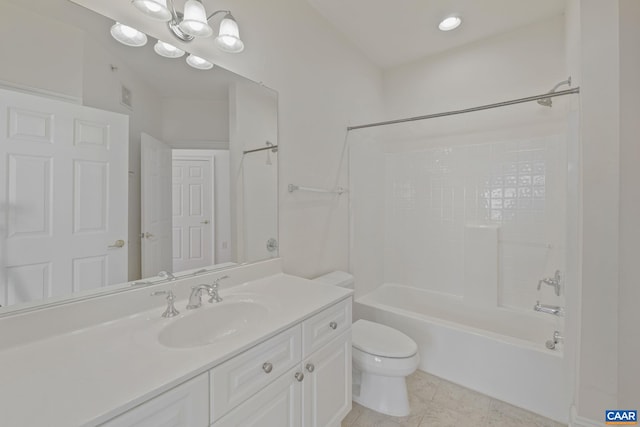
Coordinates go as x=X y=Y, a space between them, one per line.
x=280 y=355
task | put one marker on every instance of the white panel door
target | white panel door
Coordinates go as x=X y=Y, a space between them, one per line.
x=63 y=197
x=155 y=186
x=193 y=221
x=327 y=384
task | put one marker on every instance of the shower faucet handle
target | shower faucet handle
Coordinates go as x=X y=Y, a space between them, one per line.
x=552 y=281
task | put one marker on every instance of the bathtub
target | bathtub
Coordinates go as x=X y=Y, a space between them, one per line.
x=495 y=351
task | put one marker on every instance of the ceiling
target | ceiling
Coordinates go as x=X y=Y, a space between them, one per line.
x=391 y=33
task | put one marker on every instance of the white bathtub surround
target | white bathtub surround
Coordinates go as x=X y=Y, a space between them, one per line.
x=481 y=265
x=112 y=360
x=497 y=352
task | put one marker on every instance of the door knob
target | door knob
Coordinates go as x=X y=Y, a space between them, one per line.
x=117 y=244
x=299 y=376
x=310 y=368
x=206 y=221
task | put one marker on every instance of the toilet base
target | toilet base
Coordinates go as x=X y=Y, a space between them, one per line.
x=387 y=395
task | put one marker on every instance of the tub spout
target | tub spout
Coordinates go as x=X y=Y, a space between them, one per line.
x=549 y=309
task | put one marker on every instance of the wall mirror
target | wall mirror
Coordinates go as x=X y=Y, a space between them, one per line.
x=118 y=163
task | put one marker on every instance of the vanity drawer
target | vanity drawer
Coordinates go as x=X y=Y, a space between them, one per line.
x=326 y=325
x=239 y=378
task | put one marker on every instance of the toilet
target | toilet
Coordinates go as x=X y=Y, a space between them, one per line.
x=382 y=359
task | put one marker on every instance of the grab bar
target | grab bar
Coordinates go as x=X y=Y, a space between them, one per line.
x=337 y=190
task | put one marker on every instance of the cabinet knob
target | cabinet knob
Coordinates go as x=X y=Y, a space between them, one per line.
x=333 y=325
x=267 y=367
x=309 y=367
x=299 y=376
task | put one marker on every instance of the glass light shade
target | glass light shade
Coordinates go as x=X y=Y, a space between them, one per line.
x=450 y=23
x=228 y=38
x=156 y=9
x=128 y=35
x=199 y=63
x=194 y=21
x=167 y=50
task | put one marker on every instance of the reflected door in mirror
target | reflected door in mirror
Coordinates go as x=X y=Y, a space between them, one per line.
x=63 y=195
x=155 y=185
x=192 y=213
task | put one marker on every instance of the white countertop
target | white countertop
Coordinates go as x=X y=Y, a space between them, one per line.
x=87 y=376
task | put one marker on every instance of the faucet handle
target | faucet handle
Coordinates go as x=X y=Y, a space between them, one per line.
x=171 y=309
x=216 y=282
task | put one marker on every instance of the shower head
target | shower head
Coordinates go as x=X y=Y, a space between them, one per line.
x=547 y=101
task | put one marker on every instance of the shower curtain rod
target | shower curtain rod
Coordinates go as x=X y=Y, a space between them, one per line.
x=469 y=110
x=270 y=147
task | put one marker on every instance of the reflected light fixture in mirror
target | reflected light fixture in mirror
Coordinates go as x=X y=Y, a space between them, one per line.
x=167 y=50
x=128 y=35
x=194 y=22
x=199 y=63
x=156 y=9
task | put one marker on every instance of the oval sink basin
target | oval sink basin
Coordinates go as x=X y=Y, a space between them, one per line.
x=209 y=324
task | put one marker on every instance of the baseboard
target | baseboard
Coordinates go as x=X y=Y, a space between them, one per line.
x=578 y=421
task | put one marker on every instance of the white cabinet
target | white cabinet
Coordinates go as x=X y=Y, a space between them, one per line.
x=278 y=405
x=184 y=406
x=314 y=392
x=299 y=378
x=237 y=379
x=326 y=388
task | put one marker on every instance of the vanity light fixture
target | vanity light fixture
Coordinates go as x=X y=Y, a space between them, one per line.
x=450 y=23
x=167 y=50
x=128 y=35
x=198 y=62
x=194 y=22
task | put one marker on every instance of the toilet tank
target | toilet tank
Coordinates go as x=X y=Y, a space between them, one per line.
x=337 y=278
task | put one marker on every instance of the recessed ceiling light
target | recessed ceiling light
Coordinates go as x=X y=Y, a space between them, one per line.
x=450 y=23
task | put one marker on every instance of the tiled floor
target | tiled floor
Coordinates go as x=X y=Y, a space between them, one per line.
x=439 y=403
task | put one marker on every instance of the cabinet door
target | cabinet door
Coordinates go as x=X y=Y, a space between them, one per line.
x=326 y=389
x=184 y=406
x=277 y=405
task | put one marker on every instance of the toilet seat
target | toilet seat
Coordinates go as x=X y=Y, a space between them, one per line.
x=381 y=340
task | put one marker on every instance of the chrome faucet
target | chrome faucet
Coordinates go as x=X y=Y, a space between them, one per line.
x=552 y=281
x=195 y=299
x=171 y=309
x=549 y=309
x=167 y=275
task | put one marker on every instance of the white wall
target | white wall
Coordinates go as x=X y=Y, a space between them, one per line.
x=629 y=295
x=495 y=69
x=323 y=85
x=253 y=113
x=597 y=65
x=29 y=62
x=190 y=119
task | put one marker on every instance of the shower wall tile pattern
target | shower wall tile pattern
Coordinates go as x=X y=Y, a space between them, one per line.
x=432 y=194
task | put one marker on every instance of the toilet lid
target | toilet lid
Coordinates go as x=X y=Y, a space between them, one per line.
x=381 y=340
